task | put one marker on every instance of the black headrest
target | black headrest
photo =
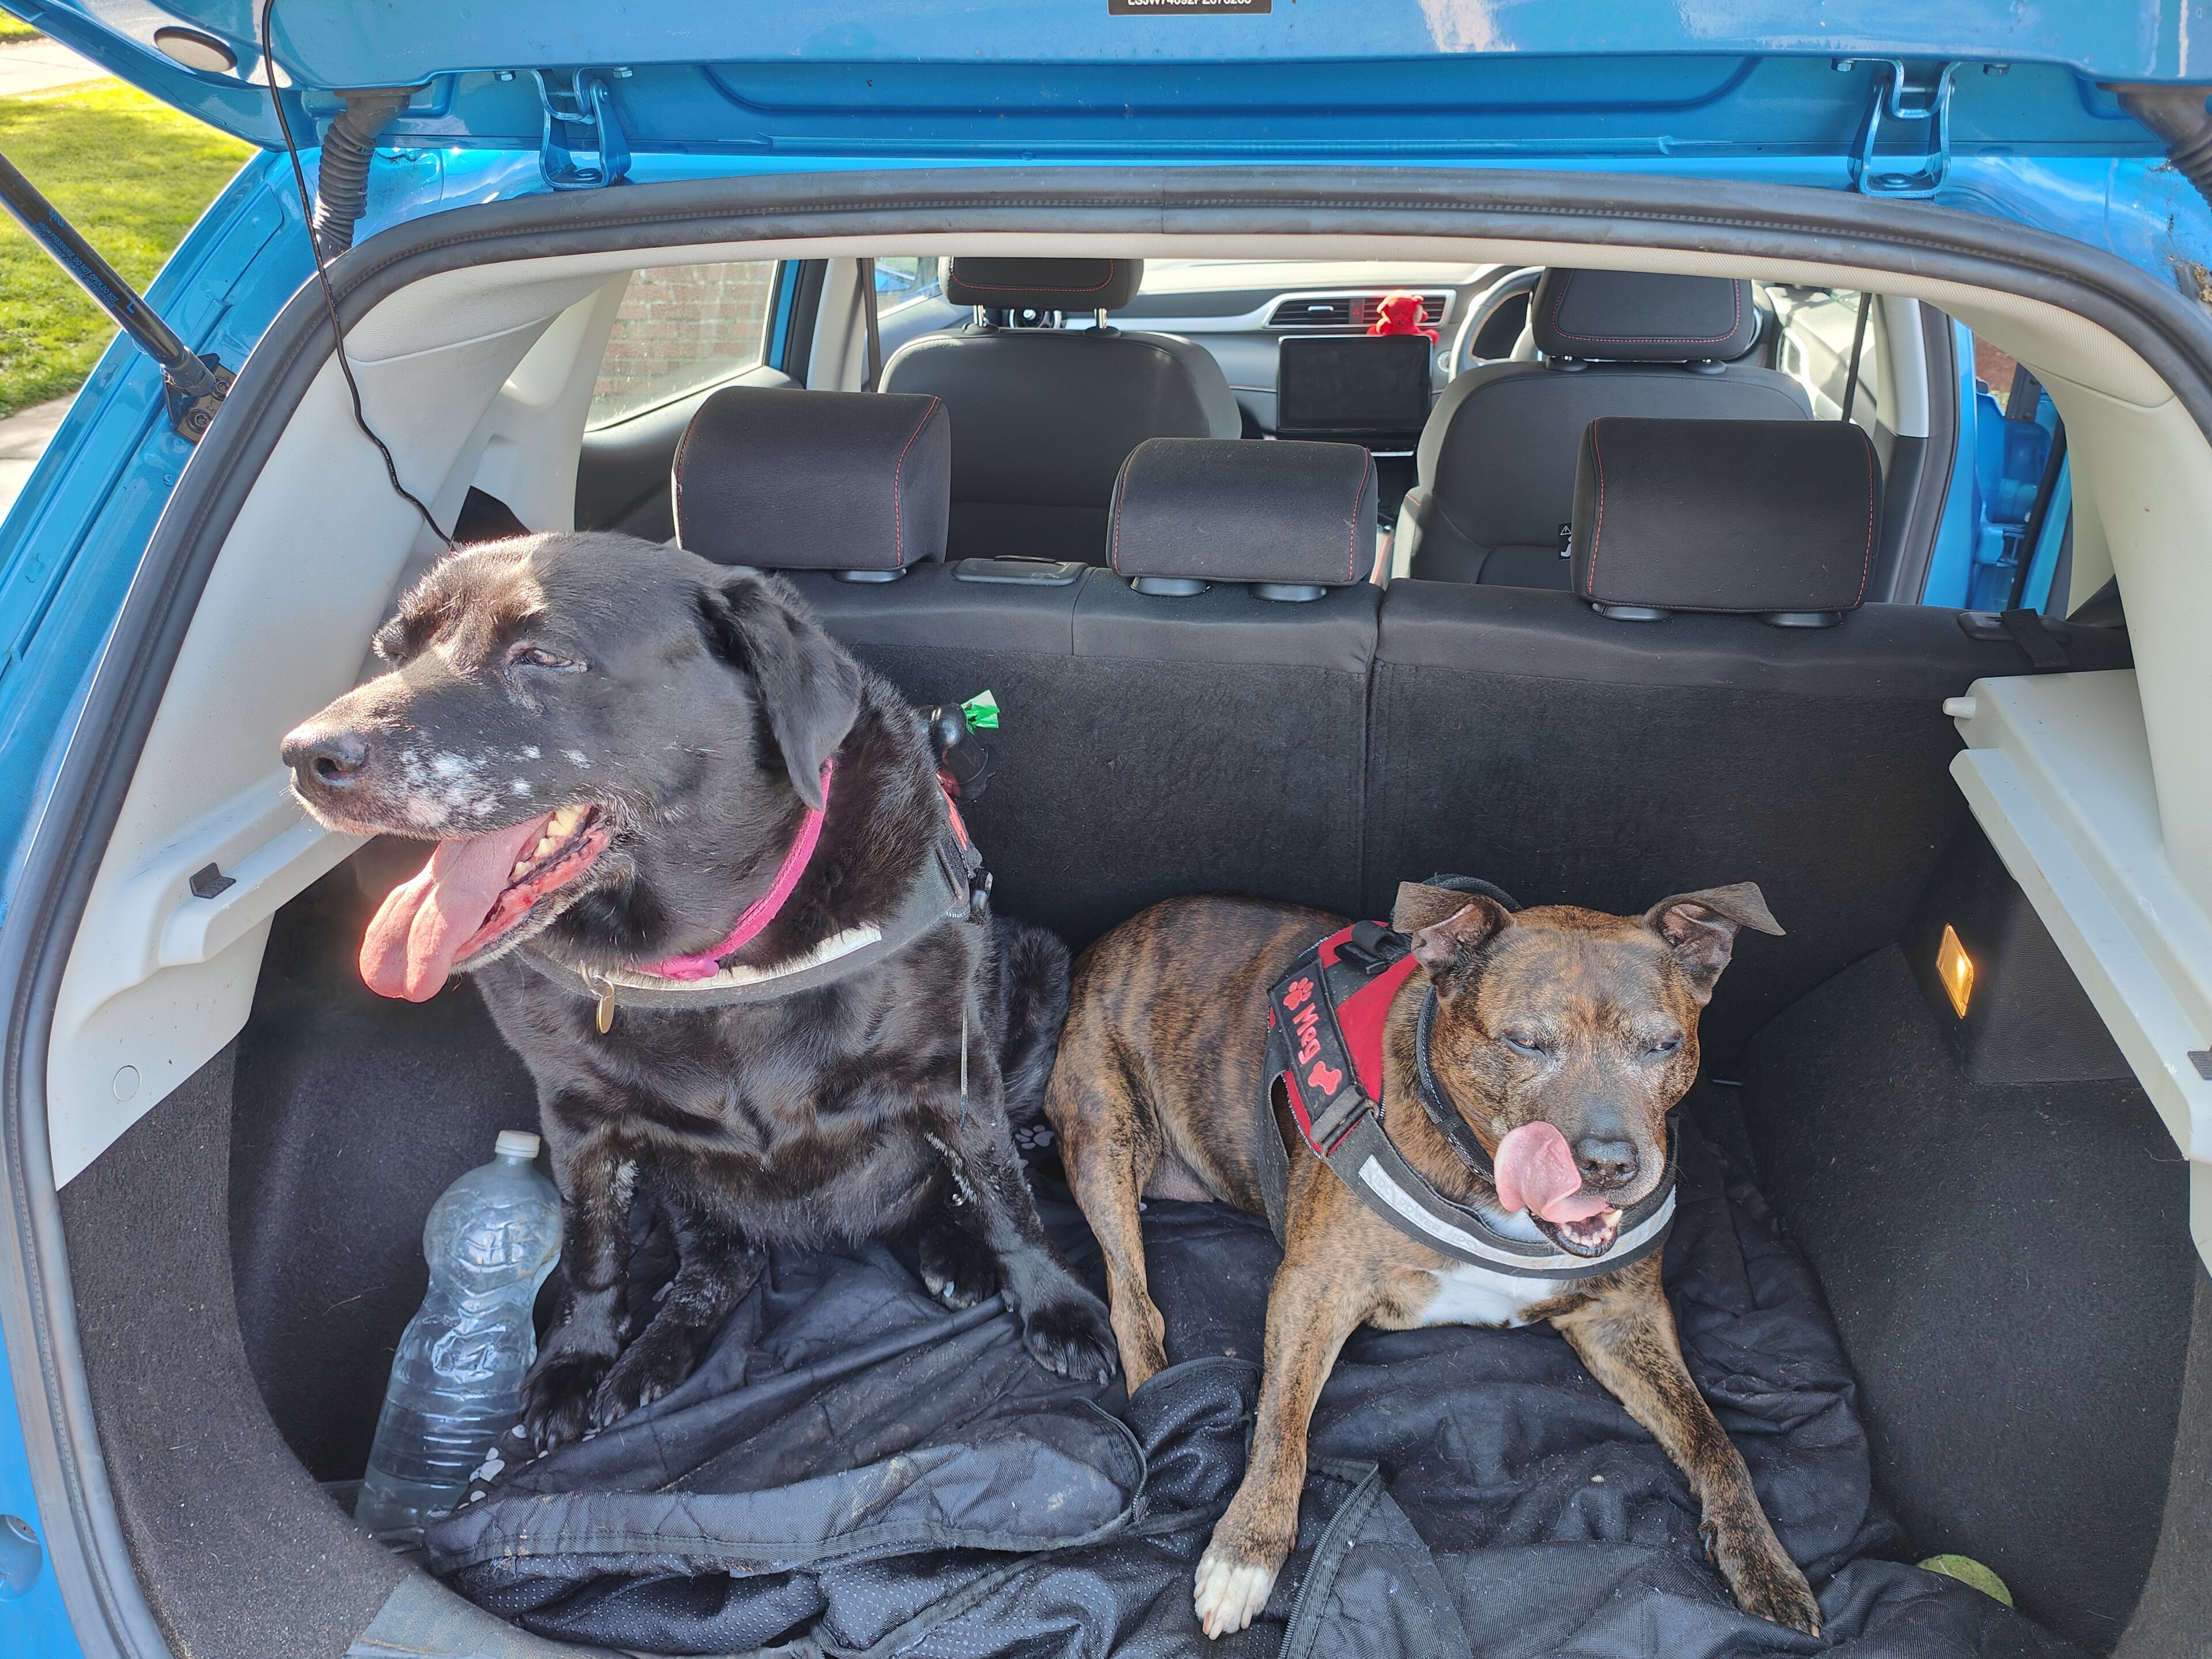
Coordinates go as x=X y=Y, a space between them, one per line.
x=1775 y=518
x=793 y=480
x=1044 y=284
x=1286 y=514
x=1640 y=317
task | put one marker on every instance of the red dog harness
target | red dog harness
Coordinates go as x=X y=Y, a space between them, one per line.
x=1326 y=1018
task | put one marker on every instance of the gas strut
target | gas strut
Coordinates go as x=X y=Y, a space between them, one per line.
x=194 y=384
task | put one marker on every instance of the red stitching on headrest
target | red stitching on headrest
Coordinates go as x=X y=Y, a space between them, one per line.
x=1589 y=582
x=1867 y=565
x=1121 y=491
x=898 y=476
x=1351 y=546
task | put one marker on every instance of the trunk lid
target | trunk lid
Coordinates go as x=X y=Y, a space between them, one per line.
x=1988 y=104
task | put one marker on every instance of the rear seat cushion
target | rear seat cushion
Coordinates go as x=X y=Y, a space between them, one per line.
x=1643 y=317
x=1747 y=516
x=1307 y=512
x=790 y=480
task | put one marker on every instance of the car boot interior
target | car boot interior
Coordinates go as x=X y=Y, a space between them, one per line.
x=1213 y=672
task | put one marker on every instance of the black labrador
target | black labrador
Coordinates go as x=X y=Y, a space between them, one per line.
x=653 y=782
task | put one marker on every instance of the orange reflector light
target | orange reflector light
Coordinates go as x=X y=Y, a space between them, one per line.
x=1957 y=969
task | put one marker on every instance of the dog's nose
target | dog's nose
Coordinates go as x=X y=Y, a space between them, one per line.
x=325 y=759
x=1605 y=1164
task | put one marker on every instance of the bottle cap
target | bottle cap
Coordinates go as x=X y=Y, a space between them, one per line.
x=516 y=1143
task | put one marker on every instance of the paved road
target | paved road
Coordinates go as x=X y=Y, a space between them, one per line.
x=23 y=439
x=35 y=65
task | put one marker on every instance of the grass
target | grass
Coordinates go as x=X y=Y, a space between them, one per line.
x=15 y=28
x=131 y=174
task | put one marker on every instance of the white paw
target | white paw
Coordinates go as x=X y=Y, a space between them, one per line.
x=1228 y=1597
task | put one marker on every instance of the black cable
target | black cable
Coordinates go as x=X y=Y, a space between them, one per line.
x=322 y=277
x=1858 y=350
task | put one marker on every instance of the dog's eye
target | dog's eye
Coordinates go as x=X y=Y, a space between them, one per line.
x=1524 y=1044
x=1665 y=1045
x=532 y=656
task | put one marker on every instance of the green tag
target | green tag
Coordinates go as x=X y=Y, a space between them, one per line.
x=982 y=712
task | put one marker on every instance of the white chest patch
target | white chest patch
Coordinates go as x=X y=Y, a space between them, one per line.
x=1469 y=1295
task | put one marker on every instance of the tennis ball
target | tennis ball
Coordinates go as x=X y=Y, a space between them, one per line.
x=1967 y=1570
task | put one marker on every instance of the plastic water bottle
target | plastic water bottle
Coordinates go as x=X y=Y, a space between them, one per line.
x=457 y=1380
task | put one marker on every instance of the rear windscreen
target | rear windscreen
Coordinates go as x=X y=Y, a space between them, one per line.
x=1355 y=386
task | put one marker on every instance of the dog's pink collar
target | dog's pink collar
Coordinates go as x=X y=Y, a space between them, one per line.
x=763 y=910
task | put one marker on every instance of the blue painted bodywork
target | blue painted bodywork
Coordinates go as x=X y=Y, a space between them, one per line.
x=34 y=1624
x=1776 y=91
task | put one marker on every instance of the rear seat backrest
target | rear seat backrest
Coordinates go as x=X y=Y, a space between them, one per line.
x=1572 y=756
x=1128 y=717
x=1497 y=459
x=1043 y=418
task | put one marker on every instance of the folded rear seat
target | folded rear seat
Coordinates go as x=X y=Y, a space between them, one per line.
x=1217 y=673
x=1713 y=702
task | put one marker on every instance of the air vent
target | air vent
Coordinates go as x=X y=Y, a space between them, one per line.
x=1344 y=310
x=1312 y=310
x=1368 y=306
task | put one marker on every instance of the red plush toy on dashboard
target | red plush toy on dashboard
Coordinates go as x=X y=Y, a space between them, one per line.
x=1401 y=314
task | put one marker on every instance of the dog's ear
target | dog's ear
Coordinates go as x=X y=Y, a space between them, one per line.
x=808 y=688
x=1702 y=928
x=1420 y=905
x=1445 y=944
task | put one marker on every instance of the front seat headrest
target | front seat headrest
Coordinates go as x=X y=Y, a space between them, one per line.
x=1292 y=518
x=1043 y=284
x=1643 y=317
x=1776 y=518
x=791 y=480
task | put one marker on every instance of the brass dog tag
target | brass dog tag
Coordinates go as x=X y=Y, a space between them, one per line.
x=604 y=990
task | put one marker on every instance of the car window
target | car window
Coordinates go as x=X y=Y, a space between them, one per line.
x=906 y=278
x=1818 y=325
x=680 y=328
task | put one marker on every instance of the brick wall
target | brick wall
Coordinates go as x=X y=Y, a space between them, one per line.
x=681 y=327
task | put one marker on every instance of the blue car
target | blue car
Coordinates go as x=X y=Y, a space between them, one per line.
x=1894 y=323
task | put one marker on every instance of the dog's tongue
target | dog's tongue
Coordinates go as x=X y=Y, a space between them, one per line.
x=422 y=924
x=1536 y=1172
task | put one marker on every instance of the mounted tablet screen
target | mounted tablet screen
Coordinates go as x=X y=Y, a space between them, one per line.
x=1352 y=386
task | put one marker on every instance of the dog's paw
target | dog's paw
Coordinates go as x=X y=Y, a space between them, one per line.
x=956 y=1267
x=1229 y=1589
x=1071 y=1333
x=556 y=1399
x=647 y=1371
x=1762 y=1577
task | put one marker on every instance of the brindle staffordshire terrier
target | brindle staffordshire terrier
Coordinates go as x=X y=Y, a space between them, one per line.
x=1564 y=1036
